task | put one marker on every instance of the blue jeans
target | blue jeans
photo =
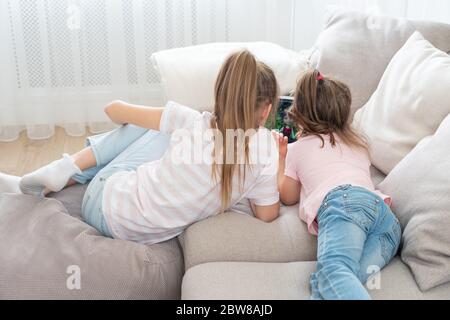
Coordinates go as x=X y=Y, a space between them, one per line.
x=358 y=233
x=123 y=149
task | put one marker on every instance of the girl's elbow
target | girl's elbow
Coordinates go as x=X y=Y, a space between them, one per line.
x=109 y=108
x=289 y=202
x=270 y=216
x=268 y=219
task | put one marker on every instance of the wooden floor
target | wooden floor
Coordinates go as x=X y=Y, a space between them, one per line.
x=24 y=155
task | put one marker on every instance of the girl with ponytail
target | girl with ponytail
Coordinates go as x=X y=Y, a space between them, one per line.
x=146 y=183
x=328 y=171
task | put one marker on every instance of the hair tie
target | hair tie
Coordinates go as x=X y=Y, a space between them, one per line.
x=320 y=77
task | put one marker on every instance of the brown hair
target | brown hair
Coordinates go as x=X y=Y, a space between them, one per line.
x=322 y=107
x=242 y=87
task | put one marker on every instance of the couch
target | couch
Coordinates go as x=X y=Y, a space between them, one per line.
x=48 y=252
x=388 y=65
x=244 y=259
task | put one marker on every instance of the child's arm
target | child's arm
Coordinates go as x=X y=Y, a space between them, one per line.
x=121 y=112
x=289 y=191
x=268 y=213
x=289 y=188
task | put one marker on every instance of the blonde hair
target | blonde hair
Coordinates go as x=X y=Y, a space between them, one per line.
x=322 y=106
x=242 y=87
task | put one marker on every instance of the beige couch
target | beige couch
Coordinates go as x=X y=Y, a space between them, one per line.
x=235 y=256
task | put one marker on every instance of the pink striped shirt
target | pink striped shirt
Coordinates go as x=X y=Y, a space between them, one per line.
x=161 y=199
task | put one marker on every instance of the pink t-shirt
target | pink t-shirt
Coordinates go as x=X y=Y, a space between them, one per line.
x=320 y=170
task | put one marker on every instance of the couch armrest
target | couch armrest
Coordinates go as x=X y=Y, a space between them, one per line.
x=242 y=238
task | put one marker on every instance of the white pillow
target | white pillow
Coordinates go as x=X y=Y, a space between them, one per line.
x=188 y=74
x=411 y=101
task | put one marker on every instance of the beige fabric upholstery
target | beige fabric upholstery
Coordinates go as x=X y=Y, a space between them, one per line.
x=289 y=281
x=239 y=237
x=377 y=176
x=357 y=47
x=40 y=243
x=420 y=186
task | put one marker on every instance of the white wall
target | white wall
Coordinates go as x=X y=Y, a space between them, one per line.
x=296 y=23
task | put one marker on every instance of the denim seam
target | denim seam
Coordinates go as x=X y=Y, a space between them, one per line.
x=97 y=156
x=79 y=179
x=384 y=248
x=357 y=222
x=331 y=286
x=314 y=286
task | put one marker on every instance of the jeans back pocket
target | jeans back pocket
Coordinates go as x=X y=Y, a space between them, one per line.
x=390 y=241
x=362 y=209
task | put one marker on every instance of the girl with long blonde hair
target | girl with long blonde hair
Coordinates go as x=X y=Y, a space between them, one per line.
x=140 y=190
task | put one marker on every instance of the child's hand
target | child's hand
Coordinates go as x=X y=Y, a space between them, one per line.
x=282 y=143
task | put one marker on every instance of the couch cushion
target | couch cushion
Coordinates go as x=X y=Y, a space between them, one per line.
x=420 y=187
x=289 y=281
x=376 y=175
x=356 y=47
x=42 y=246
x=414 y=88
x=71 y=198
x=240 y=237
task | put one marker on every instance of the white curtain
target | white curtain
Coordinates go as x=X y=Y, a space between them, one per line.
x=61 y=61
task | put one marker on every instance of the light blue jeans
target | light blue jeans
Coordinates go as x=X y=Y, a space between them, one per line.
x=358 y=233
x=123 y=149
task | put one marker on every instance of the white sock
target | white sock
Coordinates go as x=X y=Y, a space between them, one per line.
x=53 y=176
x=9 y=184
